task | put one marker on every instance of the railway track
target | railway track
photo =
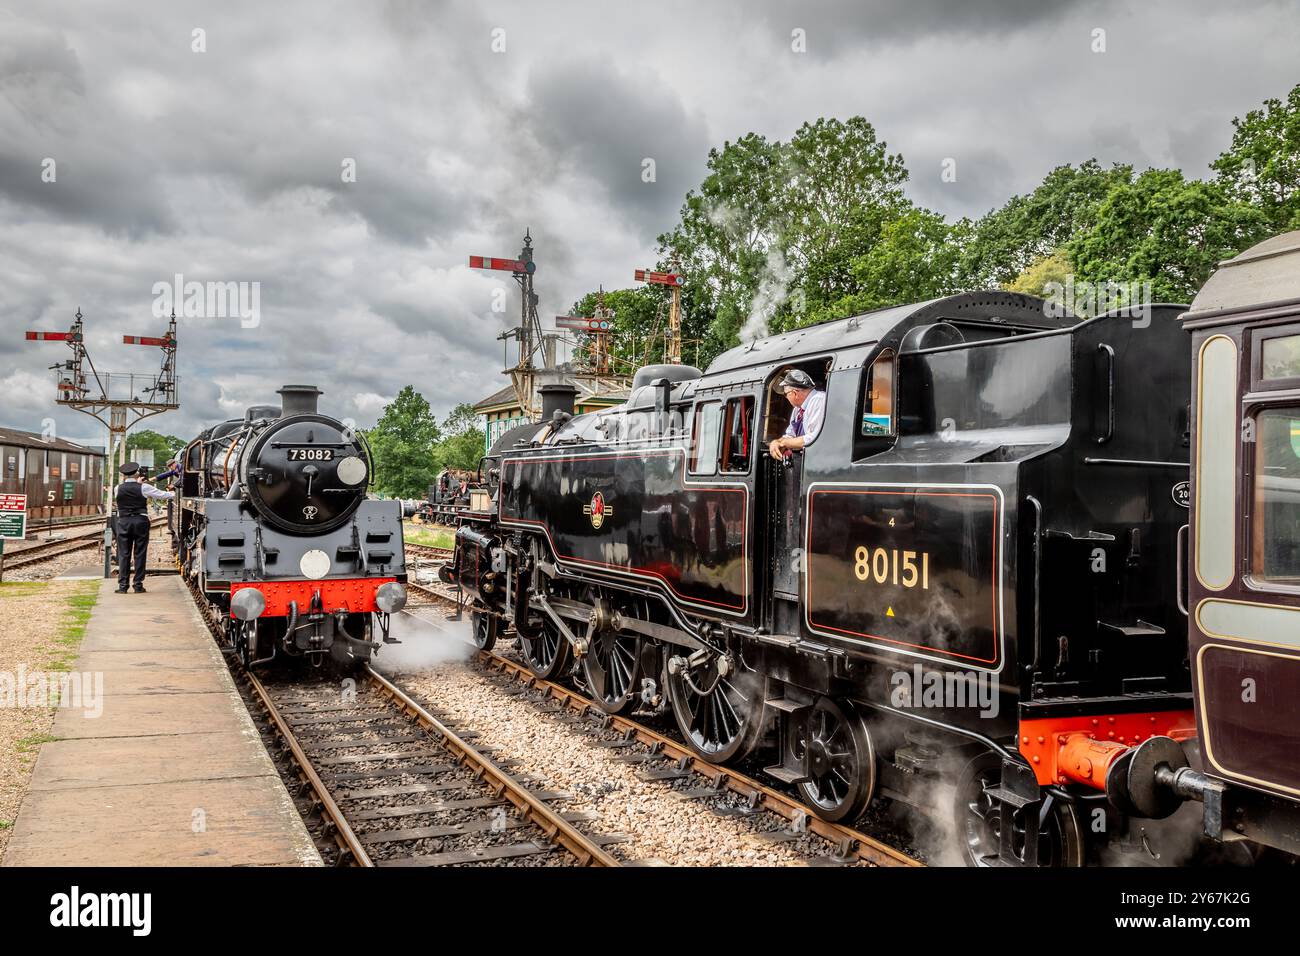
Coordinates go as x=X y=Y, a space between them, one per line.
x=428 y=551
x=667 y=760
x=396 y=785
x=392 y=783
x=46 y=550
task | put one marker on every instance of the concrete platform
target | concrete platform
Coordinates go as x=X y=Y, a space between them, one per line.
x=171 y=771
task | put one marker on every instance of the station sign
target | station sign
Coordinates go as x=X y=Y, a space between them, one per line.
x=13 y=516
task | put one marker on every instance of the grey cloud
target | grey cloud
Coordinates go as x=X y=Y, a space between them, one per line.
x=591 y=117
x=225 y=166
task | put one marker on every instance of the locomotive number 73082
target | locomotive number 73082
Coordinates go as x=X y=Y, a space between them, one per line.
x=311 y=454
x=884 y=565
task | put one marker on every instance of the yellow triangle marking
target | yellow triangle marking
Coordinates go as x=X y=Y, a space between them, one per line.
x=889 y=612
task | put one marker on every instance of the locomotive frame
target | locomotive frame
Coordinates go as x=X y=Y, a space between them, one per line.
x=706 y=603
x=288 y=547
x=976 y=578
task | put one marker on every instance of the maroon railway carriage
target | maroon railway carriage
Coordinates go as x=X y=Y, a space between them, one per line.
x=61 y=479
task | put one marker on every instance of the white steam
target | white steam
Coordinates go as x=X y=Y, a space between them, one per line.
x=426 y=642
x=773 y=289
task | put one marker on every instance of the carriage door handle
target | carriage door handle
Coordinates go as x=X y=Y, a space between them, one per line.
x=1110 y=392
x=1180 y=569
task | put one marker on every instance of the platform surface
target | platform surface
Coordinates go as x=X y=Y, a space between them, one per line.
x=172 y=771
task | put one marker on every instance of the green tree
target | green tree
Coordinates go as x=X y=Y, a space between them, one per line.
x=1262 y=166
x=915 y=258
x=841 y=191
x=462 y=443
x=1006 y=241
x=164 y=447
x=403 y=441
x=1165 y=229
x=772 y=237
x=1050 y=268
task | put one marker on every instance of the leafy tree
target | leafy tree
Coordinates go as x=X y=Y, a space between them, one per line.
x=1050 y=268
x=164 y=447
x=841 y=190
x=403 y=441
x=1262 y=166
x=1006 y=241
x=770 y=239
x=462 y=442
x=914 y=259
x=1165 y=229
x=721 y=241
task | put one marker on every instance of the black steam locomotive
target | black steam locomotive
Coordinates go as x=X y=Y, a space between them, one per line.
x=277 y=532
x=973 y=577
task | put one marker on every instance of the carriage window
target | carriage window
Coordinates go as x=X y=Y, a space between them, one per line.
x=705 y=435
x=878 y=398
x=1280 y=357
x=737 y=425
x=1276 y=546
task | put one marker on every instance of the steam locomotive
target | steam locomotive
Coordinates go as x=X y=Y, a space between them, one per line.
x=972 y=582
x=276 y=531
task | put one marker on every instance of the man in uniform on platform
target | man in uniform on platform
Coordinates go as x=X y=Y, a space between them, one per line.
x=133 y=525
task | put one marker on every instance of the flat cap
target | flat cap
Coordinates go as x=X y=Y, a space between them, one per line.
x=797 y=378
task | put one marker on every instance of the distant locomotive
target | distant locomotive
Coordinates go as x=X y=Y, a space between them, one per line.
x=451 y=493
x=972 y=576
x=277 y=532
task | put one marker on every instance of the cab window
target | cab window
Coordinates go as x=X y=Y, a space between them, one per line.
x=737 y=426
x=706 y=432
x=1275 y=551
x=878 y=397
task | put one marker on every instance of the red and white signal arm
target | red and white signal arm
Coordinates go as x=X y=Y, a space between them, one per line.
x=659 y=278
x=582 y=323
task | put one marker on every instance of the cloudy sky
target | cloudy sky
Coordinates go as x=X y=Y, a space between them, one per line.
x=468 y=122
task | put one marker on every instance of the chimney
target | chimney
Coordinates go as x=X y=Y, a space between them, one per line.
x=298 y=400
x=558 y=396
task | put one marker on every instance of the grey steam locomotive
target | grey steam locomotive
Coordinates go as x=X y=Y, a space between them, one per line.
x=275 y=529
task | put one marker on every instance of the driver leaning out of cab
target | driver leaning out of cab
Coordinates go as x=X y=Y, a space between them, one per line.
x=809 y=410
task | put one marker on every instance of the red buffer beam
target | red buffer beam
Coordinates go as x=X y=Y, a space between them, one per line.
x=659 y=278
x=501 y=265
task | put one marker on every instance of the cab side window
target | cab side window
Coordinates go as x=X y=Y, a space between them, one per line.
x=706 y=434
x=737 y=426
x=878 y=397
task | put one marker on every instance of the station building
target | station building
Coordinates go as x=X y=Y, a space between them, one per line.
x=60 y=478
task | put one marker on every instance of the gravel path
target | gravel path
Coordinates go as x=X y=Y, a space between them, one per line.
x=663 y=826
x=38 y=632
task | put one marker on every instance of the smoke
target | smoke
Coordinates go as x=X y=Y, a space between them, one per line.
x=773 y=289
x=426 y=642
